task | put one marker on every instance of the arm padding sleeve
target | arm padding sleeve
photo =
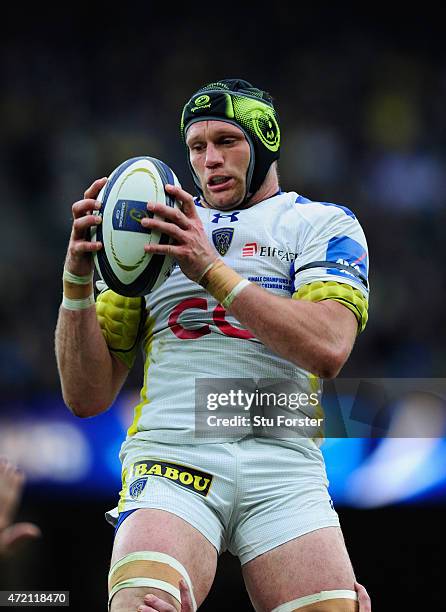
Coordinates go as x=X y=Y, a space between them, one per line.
x=121 y=320
x=345 y=294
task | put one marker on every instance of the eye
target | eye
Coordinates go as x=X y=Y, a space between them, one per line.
x=197 y=147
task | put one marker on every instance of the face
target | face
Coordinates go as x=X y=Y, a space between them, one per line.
x=220 y=155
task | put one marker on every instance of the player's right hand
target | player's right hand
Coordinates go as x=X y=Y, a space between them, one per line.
x=79 y=260
x=152 y=603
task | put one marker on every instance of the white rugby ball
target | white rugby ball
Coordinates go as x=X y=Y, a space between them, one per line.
x=122 y=263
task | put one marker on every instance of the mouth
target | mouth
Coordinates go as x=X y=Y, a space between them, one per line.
x=219 y=183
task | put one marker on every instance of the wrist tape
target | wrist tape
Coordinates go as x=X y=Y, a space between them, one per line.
x=78 y=304
x=77 y=291
x=75 y=279
x=222 y=282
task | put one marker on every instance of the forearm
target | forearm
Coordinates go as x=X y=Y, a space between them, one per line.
x=86 y=367
x=82 y=353
x=299 y=331
x=315 y=336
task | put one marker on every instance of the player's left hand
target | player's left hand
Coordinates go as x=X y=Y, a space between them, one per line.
x=152 y=603
x=191 y=247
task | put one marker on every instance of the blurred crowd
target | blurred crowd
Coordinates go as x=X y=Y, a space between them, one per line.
x=363 y=125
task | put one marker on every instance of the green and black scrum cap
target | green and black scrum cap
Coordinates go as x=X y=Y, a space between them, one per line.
x=238 y=102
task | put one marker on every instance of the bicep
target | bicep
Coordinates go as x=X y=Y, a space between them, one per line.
x=335 y=324
x=343 y=322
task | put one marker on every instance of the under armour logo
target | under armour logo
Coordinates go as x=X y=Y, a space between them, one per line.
x=232 y=217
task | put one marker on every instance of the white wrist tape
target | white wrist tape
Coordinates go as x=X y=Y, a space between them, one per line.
x=234 y=293
x=79 y=304
x=75 y=279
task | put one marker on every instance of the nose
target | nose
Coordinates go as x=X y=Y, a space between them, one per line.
x=213 y=156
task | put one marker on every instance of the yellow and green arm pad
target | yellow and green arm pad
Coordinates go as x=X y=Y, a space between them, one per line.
x=121 y=320
x=345 y=294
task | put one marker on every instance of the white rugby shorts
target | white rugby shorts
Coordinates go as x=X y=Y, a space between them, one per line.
x=246 y=496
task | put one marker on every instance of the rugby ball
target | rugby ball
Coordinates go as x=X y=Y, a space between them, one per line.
x=122 y=263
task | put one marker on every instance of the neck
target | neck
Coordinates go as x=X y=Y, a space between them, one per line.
x=268 y=188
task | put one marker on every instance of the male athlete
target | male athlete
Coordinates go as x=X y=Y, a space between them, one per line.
x=269 y=286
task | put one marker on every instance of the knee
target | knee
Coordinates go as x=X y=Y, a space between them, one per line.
x=142 y=573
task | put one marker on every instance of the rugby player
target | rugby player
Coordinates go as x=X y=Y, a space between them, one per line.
x=269 y=285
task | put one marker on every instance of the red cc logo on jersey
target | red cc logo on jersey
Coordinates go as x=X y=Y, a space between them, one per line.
x=218 y=316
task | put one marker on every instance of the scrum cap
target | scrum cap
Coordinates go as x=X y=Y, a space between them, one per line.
x=237 y=101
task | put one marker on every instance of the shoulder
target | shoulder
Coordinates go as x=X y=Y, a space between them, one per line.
x=327 y=218
x=323 y=210
x=308 y=217
x=311 y=209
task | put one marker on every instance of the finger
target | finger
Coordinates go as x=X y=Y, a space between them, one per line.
x=84 y=207
x=155 y=603
x=95 y=188
x=10 y=473
x=164 y=227
x=185 y=198
x=363 y=598
x=186 y=599
x=11 y=485
x=81 y=225
x=162 y=249
x=171 y=214
x=84 y=246
x=16 y=535
x=16 y=483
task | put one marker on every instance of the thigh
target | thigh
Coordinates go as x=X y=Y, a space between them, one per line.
x=160 y=531
x=283 y=496
x=316 y=561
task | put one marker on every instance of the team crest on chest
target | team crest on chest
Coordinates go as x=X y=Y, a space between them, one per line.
x=222 y=239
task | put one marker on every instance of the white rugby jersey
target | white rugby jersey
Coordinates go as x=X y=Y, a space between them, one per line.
x=281 y=244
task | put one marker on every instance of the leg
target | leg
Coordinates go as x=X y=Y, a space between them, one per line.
x=317 y=561
x=163 y=532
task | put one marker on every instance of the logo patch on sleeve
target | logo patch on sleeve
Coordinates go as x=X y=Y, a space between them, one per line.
x=347 y=252
x=182 y=475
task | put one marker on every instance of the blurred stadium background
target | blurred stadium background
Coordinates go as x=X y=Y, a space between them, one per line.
x=361 y=101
